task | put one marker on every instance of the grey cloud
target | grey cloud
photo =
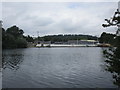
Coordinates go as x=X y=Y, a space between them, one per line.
x=55 y=18
x=43 y=21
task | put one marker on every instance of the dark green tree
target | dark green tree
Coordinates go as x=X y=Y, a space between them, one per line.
x=107 y=38
x=13 y=38
x=112 y=55
x=29 y=38
x=15 y=31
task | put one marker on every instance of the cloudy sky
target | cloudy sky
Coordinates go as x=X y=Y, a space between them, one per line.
x=58 y=17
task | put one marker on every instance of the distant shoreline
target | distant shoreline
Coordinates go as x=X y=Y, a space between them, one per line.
x=72 y=45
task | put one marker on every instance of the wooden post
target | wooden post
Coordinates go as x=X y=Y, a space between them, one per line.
x=0 y=24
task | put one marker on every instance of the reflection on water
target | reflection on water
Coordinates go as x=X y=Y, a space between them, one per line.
x=113 y=63
x=11 y=59
x=55 y=67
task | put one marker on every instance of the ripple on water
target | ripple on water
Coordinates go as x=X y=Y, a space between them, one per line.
x=55 y=67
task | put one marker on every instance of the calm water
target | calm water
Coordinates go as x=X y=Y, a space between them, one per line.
x=55 y=67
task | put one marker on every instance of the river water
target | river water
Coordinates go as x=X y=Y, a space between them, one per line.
x=55 y=68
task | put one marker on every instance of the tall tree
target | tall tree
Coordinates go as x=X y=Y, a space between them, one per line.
x=15 y=31
x=113 y=54
x=13 y=38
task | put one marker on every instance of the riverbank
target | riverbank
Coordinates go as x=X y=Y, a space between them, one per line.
x=73 y=45
x=64 y=45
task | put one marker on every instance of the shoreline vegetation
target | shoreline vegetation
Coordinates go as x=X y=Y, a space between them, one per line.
x=112 y=55
x=13 y=38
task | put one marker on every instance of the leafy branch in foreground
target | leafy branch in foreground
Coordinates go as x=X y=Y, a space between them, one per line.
x=112 y=55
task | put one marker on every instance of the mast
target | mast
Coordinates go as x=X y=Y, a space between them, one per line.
x=37 y=37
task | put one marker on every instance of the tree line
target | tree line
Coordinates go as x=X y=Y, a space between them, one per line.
x=13 y=38
x=67 y=37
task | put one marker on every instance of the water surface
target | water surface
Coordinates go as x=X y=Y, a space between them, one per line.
x=55 y=68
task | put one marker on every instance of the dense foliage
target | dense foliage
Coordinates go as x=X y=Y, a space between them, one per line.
x=13 y=38
x=113 y=54
x=29 y=38
x=112 y=60
x=107 y=38
x=65 y=38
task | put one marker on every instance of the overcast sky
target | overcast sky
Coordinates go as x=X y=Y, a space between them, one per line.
x=58 y=18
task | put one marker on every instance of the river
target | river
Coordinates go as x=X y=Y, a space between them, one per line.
x=80 y=67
